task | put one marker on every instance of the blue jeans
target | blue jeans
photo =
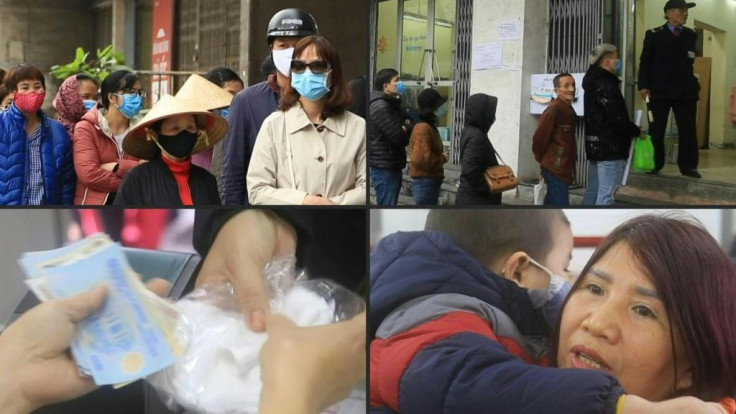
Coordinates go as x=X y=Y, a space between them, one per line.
x=557 y=190
x=387 y=183
x=604 y=177
x=426 y=191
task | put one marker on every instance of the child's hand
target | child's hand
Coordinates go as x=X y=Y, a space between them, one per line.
x=684 y=405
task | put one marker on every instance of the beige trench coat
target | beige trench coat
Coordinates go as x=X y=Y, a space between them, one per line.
x=292 y=160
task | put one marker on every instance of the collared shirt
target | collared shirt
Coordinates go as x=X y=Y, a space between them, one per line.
x=672 y=28
x=292 y=159
x=34 y=173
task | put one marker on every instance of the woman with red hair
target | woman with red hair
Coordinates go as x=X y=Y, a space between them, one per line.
x=654 y=308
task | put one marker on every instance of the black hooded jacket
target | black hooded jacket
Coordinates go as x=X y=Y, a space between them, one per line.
x=476 y=151
x=387 y=140
x=608 y=128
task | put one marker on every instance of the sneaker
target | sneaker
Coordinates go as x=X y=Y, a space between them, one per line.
x=692 y=173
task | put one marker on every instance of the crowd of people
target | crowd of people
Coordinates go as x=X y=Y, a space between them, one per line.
x=666 y=81
x=290 y=139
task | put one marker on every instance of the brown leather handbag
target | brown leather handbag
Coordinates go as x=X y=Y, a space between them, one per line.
x=500 y=178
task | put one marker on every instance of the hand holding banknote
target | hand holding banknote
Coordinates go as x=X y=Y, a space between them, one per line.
x=242 y=248
x=37 y=368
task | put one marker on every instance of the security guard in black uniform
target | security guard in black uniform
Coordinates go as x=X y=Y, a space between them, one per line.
x=666 y=77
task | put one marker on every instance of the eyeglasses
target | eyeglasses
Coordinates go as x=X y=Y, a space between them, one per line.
x=317 y=66
x=140 y=92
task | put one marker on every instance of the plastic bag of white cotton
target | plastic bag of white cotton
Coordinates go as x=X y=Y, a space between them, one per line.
x=220 y=372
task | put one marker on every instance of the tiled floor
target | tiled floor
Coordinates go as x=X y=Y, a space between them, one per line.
x=714 y=165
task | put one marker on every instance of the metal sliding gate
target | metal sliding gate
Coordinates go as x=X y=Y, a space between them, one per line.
x=575 y=27
x=463 y=56
x=208 y=34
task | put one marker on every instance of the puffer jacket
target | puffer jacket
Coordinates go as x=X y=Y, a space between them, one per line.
x=56 y=160
x=387 y=139
x=608 y=128
x=94 y=145
x=449 y=336
x=476 y=152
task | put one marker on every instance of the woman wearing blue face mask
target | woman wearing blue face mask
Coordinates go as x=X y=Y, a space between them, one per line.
x=312 y=150
x=212 y=159
x=76 y=95
x=427 y=156
x=99 y=159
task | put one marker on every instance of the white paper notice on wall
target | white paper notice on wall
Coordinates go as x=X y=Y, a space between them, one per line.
x=487 y=55
x=509 y=30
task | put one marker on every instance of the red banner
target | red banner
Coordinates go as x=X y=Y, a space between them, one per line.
x=161 y=52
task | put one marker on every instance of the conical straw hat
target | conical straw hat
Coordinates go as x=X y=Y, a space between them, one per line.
x=204 y=93
x=140 y=144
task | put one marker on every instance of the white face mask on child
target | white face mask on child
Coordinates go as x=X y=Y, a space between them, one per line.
x=551 y=298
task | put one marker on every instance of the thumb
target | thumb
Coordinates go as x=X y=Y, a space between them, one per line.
x=275 y=322
x=78 y=308
x=252 y=295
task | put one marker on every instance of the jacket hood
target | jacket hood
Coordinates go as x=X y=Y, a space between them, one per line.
x=596 y=73
x=409 y=265
x=480 y=111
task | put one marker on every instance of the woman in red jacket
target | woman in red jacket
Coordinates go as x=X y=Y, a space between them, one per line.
x=99 y=159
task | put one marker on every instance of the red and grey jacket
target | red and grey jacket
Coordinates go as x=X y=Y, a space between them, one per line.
x=449 y=336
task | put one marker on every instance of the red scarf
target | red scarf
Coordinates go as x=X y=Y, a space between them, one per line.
x=181 y=175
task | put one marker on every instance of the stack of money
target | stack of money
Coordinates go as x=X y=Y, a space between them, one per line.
x=135 y=332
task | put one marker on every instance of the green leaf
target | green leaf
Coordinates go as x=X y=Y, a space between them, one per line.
x=119 y=57
x=105 y=62
x=105 y=52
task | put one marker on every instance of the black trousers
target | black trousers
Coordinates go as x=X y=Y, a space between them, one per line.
x=685 y=116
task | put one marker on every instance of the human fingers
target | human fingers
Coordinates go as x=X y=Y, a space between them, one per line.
x=79 y=307
x=159 y=286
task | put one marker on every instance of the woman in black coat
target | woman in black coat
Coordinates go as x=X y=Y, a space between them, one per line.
x=476 y=152
x=168 y=135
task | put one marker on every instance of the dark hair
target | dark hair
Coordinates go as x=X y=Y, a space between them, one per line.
x=359 y=95
x=116 y=81
x=488 y=235
x=3 y=92
x=2 y=75
x=82 y=77
x=696 y=281
x=383 y=77
x=220 y=76
x=267 y=67
x=556 y=80
x=338 y=98
x=23 y=72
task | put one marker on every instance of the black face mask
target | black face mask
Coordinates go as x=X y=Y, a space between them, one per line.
x=179 y=145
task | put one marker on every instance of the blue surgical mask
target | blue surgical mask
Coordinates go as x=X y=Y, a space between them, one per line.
x=224 y=112
x=618 y=67
x=551 y=298
x=442 y=111
x=312 y=86
x=89 y=103
x=132 y=104
x=400 y=87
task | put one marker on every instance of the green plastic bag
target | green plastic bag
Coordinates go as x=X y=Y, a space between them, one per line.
x=644 y=154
